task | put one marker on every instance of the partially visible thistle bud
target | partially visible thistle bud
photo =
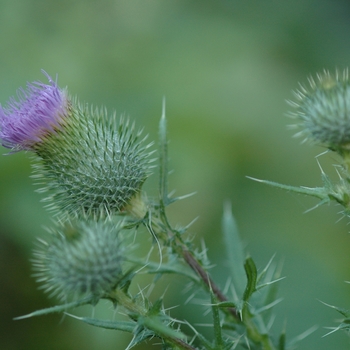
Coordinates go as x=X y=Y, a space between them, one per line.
x=92 y=164
x=80 y=260
x=323 y=111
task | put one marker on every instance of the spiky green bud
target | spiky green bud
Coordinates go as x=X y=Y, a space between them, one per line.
x=80 y=259
x=322 y=111
x=94 y=165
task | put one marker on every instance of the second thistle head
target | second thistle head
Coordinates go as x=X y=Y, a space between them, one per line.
x=90 y=163
x=322 y=111
x=80 y=259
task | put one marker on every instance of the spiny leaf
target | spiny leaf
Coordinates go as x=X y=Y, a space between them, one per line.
x=156 y=308
x=140 y=334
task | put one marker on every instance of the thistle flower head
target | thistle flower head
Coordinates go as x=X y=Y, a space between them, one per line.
x=89 y=162
x=39 y=111
x=84 y=259
x=322 y=111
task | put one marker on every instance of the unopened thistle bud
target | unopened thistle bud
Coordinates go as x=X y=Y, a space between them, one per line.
x=80 y=260
x=90 y=163
x=323 y=111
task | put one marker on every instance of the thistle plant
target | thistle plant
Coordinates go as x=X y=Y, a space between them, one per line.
x=93 y=165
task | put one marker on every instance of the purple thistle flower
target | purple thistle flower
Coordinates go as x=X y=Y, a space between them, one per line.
x=39 y=112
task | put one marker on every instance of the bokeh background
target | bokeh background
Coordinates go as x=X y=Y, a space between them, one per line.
x=226 y=68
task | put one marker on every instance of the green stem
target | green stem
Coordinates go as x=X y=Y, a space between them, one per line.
x=253 y=332
x=162 y=230
x=209 y=283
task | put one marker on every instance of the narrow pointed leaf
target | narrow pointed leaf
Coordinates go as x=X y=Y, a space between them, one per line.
x=318 y=192
x=57 y=308
x=234 y=250
x=163 y=158
x=301 y=336
x=178 y=198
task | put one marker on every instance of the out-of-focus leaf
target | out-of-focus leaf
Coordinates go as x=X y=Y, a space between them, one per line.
x=163 y=159
x=234 y=250
x=282 y=341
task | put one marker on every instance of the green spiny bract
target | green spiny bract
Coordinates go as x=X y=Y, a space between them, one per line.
x=323 y=111
x=80 y=259
x=94 y=165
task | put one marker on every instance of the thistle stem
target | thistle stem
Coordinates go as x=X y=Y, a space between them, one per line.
x=161 y=228
x=196 y=267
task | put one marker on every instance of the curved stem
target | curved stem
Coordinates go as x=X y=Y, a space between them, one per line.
x=162 y=229
x=195 y=266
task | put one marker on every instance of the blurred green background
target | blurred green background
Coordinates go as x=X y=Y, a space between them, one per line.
x=226 y=68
